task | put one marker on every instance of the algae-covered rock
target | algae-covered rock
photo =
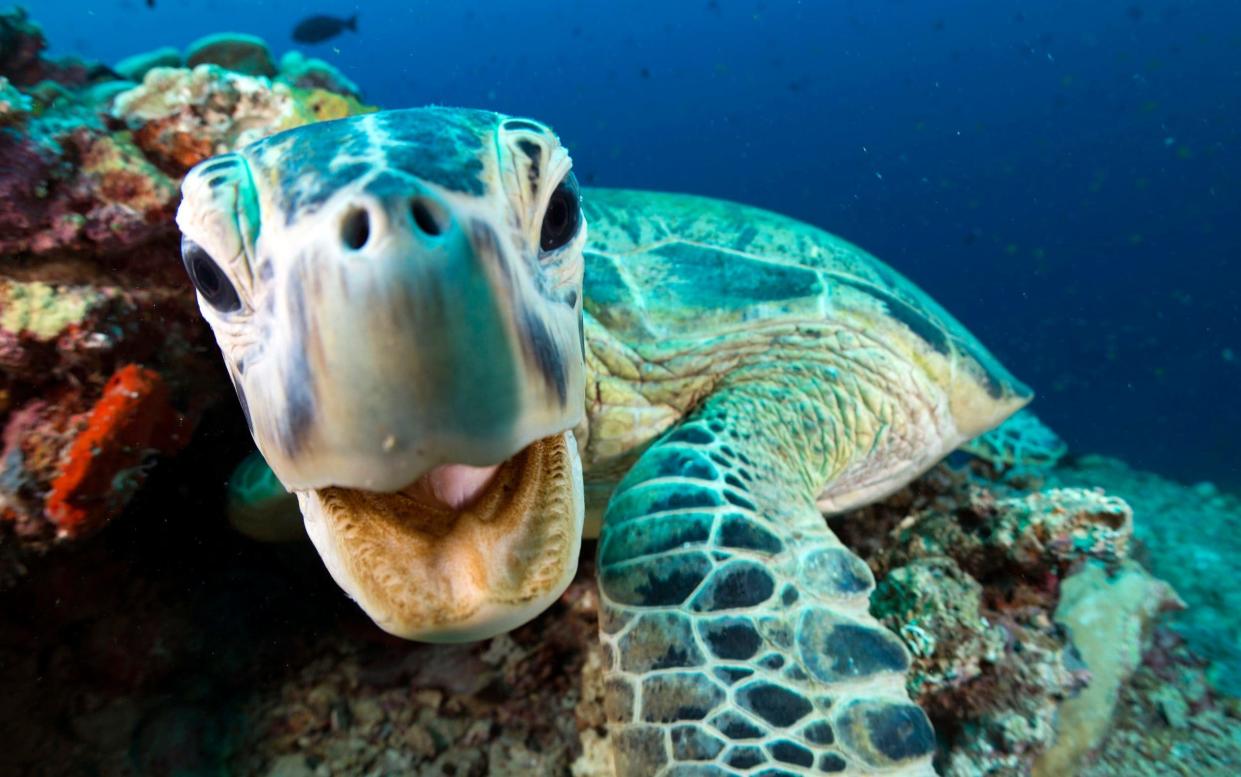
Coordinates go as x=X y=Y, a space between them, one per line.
x=305 y=72
x=1031 y=535
x=235 y=51
x=137 y=66
x=180 y=117
x=1190 y=535
x=1169 y=719
x=1108 y=617
x=990 y=678
x=15 y=107
x=935 y=608
x=969 y=574
x=21 y=55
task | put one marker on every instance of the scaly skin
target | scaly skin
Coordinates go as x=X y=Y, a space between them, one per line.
x=735 y=623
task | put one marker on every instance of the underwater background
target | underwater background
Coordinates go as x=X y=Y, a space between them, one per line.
x=1062 y=176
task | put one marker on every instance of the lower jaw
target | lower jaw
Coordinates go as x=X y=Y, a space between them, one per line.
x=440 y=569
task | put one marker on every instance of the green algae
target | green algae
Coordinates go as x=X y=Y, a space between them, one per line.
x=41 y=309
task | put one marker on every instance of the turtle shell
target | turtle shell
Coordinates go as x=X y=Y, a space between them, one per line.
x=663 y=270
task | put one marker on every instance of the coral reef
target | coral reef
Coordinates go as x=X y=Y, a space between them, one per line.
x=305 y=72
x=22 y=61
x=970 y=574
x=15 y=107
x=1028 y=624
x=1169 y=721
x=104 y=360
x=1190 y=537
x=180 y=116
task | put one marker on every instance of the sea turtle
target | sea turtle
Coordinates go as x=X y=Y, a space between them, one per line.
x=452 y=356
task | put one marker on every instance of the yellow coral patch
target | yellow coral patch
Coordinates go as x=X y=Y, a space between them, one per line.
x=321 y=105
x=41 y=309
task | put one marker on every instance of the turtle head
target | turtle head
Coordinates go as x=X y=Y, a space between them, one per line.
x=397 y=298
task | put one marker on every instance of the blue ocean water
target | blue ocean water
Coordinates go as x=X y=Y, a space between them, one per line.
x=1062 y=176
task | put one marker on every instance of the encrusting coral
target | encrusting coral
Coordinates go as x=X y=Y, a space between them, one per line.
x=1109 y=617
x=970 y=575
x=1190 y=537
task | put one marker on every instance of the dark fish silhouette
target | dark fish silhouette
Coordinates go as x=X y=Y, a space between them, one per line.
x=316 y=29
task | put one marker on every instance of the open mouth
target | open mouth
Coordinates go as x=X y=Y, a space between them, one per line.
x=462 y=553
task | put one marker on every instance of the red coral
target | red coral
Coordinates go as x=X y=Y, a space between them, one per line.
x=132 y=418
x=171 y=147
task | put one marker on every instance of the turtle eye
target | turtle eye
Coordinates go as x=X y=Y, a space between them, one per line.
x=562 y=217
x=208 y=278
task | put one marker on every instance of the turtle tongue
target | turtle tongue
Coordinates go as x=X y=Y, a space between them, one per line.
x=463 y=553
x=454 y=486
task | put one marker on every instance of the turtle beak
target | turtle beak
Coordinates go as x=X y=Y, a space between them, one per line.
x=411 y=358
x=427 y=570
x=419 y=402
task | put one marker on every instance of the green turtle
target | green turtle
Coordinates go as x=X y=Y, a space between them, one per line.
x=458 y=362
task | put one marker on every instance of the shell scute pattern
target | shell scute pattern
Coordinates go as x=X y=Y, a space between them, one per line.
x=711 y=265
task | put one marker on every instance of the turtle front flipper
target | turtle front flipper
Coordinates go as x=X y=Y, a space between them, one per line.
x=735 y=624
x=259 y=506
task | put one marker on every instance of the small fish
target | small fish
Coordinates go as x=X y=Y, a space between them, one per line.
x=316 y=29
x=150 y=3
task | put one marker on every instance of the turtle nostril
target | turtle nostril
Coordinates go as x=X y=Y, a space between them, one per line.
x=355 y=230
x=428 y=215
